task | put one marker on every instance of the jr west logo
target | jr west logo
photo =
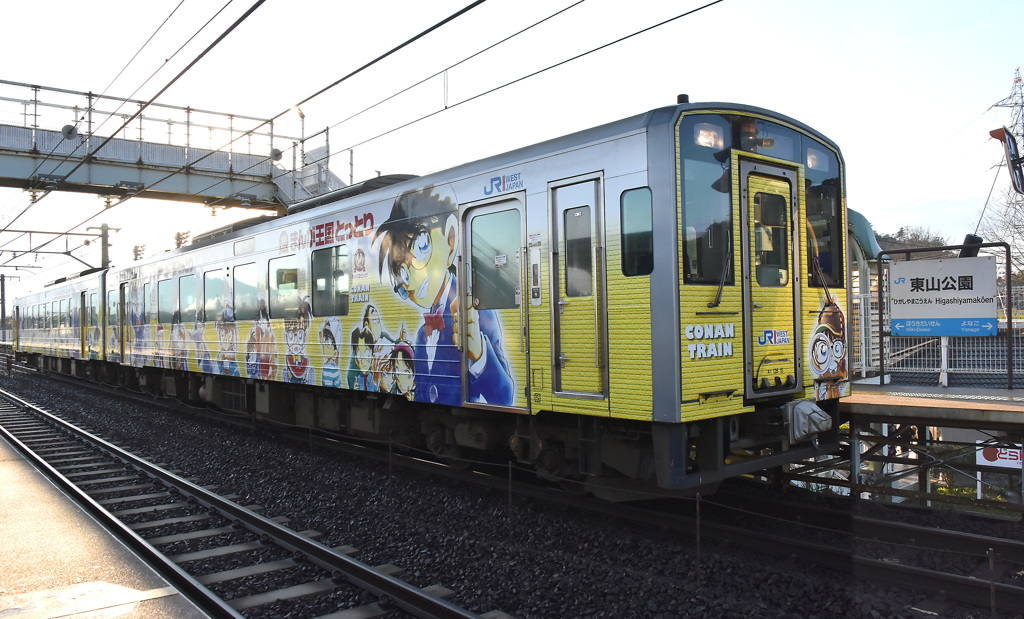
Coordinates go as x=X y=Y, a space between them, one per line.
x=501 y=184
x=771 y=337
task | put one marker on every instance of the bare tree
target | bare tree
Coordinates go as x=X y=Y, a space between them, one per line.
x=1003 y=221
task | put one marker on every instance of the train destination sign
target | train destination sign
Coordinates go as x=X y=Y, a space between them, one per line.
x=951 y=296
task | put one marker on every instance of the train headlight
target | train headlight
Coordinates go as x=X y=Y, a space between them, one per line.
x=708 y=135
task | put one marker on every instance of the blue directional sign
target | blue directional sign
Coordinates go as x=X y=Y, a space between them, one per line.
x=954 y=297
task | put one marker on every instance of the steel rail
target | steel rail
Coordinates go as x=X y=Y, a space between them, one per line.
x=392 y=590
x=186 y=584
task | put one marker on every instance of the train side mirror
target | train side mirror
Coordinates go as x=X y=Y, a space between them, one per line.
x=971 y=242
x=1012 y=157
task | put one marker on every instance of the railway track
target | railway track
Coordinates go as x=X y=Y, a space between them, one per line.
x=183 y=529
x=869 y=549
x=964 y=566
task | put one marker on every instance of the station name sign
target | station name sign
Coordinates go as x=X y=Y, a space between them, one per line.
x=951 y=296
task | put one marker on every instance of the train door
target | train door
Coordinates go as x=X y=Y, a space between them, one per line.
x=494 y=341
x=770 y=205
x=123 y=325
x=578 y=312
x=83 y=325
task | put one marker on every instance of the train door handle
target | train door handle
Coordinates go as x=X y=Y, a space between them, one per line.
x=561 y=305
x=561 y=361
x=758 y=305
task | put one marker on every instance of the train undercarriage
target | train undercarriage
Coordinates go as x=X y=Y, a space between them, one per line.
x=615 y=459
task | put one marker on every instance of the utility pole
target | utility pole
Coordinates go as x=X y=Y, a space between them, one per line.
x=104 y=244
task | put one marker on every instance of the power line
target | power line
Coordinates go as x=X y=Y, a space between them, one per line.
x=121 y=72
x=408 y=88
x=306 y=100
x=520 y=79
x=209 y=48
x=510 y=83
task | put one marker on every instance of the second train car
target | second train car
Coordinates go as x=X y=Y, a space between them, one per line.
x=648 y=306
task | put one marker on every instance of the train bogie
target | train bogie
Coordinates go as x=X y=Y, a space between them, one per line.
x=652 y=305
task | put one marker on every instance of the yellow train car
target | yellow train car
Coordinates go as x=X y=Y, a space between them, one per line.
x=646 y=307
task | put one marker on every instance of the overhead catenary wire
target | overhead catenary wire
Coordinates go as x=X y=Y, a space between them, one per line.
x=202 y=54
x=410 y=87
x=422 y=34
x=449 y=106
x=116 y=77
x=142 y=107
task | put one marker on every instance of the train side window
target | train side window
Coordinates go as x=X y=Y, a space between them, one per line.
x=245 y=277
x=165 y=300
x=213 y=294
x=55 y=314
x=145 y=304
x=94 y=318
x=63 y=315
x=637 y=232
x=578 y=262
x=496 y=240
x=112 y=307
x=187 y=297
x=331 y=272
x=284 y=286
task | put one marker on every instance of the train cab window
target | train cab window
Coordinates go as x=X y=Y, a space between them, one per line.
x=284 y=286
x=246 y=278
x=637 y=232
x=771 y=240
x=213 y=294
x=166 y=301
x=331 y=272
x=824 y=222
x=187 y=298
x=578 y=262
x=705 y=143
x=496 y=240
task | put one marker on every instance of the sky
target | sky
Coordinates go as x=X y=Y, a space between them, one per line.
x=905 y=88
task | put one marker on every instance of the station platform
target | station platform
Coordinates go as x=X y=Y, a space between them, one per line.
x=57 y=561
x=955 y=406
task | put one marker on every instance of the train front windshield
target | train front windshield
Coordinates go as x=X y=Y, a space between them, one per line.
x=706 y=142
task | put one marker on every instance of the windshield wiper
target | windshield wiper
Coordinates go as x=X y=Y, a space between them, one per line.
x=725 y=271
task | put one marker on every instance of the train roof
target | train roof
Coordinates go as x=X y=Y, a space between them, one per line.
x=399 y=183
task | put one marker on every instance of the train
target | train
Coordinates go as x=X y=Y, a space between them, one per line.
x=643 y=308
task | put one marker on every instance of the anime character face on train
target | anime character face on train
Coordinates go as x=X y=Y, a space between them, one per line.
x=827 y=350
x=227 y=335
x=403 y=368
x=419 y=252
x=418 y=245
x=179 y=344
x=296 y=333
x=330 y=372
x=261 y=347
x=362 y=352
